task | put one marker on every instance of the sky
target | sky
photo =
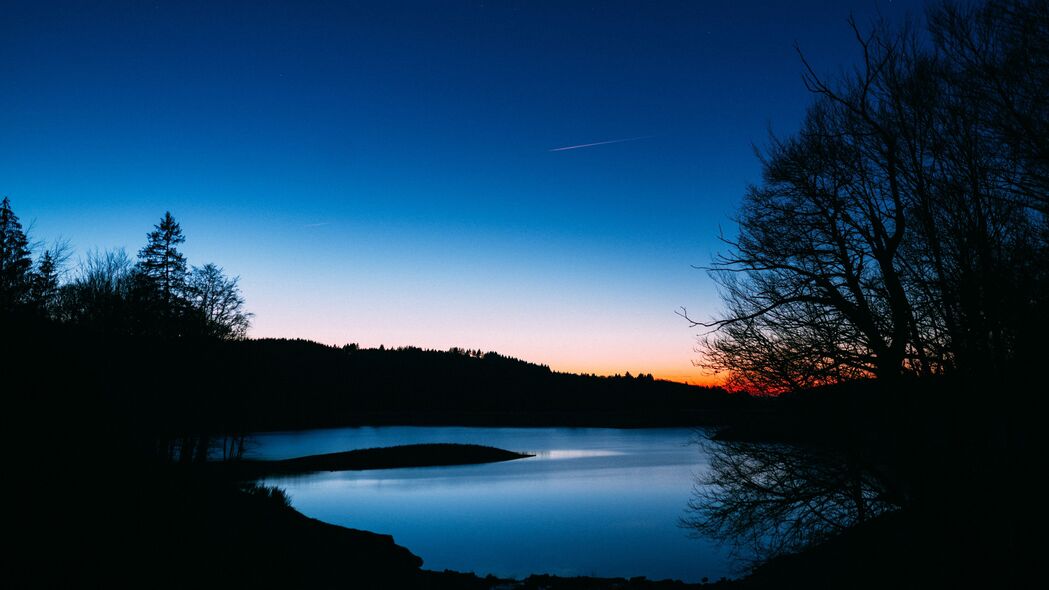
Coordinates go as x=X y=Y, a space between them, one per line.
x=536 y=178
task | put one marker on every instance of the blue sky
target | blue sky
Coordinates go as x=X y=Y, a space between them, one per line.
x=382 y=172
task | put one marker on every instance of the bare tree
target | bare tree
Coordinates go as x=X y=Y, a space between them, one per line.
x=999 y=57
x=97 y=295
x=813 y=283
x=902 y=230
x=218 y=299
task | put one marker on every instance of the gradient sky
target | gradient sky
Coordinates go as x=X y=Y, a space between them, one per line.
x=390 y=173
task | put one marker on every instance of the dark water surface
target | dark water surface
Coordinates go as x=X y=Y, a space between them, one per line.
x=594 y=501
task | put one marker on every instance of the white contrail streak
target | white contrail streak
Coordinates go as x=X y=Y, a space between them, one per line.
x=585 y=145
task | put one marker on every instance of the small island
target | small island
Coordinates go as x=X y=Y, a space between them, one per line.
x=417 y=455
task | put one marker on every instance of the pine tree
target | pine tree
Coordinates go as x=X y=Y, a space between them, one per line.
x=162 y=265
x=16 y=267
x=44 y=291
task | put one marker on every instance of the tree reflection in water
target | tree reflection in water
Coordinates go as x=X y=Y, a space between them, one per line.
x=771 y=499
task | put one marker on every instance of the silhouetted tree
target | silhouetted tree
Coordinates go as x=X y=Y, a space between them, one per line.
x=98 y=296
x=217 y=298
x=985 y=228
x=813 y=282
x=45 y=283
x=15 y=263
x=162 y=270
x=900 y=231
x=998 y=54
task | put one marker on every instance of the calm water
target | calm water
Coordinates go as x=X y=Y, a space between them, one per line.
x=594 y=501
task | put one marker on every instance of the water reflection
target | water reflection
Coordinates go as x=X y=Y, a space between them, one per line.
x=572 y=453
x=766 y=499
x=600 y=502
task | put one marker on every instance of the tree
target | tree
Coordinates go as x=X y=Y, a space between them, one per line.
x=99 y=294
x=162 y=265
x=903 y=229
x=16 y=266
x=998 y=56
x=45 y=283
x=158 y=296
x=813 y=281
x=988 y=219
x=219 y=301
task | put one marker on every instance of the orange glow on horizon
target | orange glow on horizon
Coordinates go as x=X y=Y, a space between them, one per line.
x=692 y=379
x=663 y=358
x=695 y=376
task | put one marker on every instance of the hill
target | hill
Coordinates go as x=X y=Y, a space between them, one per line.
x=298 y=383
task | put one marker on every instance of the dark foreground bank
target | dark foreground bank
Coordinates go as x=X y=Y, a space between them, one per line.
x=189 y=530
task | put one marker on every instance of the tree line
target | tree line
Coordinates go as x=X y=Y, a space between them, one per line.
x=156 y=295
x=902 y=232
x=279 y=384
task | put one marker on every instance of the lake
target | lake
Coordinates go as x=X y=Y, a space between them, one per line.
x=593 y=501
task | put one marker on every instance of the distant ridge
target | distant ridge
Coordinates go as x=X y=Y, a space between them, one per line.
x=300 y=383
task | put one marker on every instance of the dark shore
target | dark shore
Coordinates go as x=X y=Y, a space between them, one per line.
x=253 y=538
x=418 y=455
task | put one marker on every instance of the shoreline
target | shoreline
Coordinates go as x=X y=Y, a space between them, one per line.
x=445 y=454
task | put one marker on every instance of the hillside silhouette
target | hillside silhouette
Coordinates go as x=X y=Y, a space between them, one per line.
x=297 y=383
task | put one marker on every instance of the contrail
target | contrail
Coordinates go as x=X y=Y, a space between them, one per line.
x=585 y=145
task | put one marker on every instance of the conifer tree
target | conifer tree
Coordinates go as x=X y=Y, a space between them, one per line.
x=162 y=266
x=45 y=283
x=16 y=266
